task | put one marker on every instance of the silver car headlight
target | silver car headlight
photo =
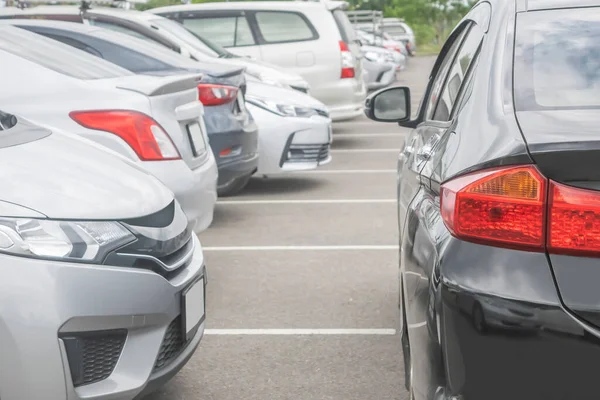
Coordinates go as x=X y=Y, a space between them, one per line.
x=285 y=110
x=75 y=241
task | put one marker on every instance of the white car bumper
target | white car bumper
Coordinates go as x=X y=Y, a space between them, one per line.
x=288 y=144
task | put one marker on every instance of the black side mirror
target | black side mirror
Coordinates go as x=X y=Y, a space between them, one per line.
x=389 y=105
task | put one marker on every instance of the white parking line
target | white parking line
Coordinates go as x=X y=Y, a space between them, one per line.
x=346 y=171
x=299 y=331
x=340 y=201
x=299 y=248
x=360 y=135
x=417 y=325
x=365 y=150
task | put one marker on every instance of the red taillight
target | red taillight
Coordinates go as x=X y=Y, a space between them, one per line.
x=216 y=95
x=142 y=133
x=573 y=220
x=517 y=207
x=347 y=61
x=505 y=206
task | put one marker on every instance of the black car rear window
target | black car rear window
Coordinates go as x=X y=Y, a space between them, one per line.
x=57 y=56
x=557 y=60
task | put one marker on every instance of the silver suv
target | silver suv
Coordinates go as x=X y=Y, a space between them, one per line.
x=102 y=281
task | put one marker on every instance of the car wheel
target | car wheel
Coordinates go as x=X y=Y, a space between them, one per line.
x=234 y=187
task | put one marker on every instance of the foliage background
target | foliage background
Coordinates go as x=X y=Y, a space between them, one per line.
x=431 y=20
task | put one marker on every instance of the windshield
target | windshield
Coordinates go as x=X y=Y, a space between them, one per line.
x=557 y=60
x=197 y=42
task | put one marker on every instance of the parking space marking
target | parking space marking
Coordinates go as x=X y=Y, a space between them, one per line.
x=365 y=150
x=300 y=248
x=299 y=332
x=417 y=325
x=339 y=201
x=347 y=171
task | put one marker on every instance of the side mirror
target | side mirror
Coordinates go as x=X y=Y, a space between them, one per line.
x=389 y=105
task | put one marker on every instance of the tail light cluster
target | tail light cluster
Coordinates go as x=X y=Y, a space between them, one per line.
x=517 y=207
x=216 y=95
x=142 y=133
x=347 y=61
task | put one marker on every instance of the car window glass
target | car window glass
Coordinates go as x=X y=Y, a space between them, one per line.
x=283 y=26
x=344 y=25
x=71 y=42
x=57 y=56
x=457 y=73
x=438 y=81
x=224 y=31
x=557 y=60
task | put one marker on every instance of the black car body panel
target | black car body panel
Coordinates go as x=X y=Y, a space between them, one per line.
x=480 y=321
x=228 y=126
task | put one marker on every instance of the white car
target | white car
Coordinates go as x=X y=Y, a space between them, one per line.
x=313 y=39
x=295 y=131
x=154 y=121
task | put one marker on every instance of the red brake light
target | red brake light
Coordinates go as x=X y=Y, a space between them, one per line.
x=517 y=207
x=216 y=95
x=573 y=220
x=142 y=133
x=505 y=206
x=347 y=61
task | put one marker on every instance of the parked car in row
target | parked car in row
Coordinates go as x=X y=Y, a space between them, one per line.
x=295 y=129
x=499 y=207
x=102 y=277
x=312 y=39
x=154 y=121
x=379 y=41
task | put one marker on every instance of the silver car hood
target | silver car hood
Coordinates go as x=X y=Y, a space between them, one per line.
x=64 y=176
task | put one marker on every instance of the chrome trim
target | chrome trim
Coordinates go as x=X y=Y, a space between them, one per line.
x=183 y=260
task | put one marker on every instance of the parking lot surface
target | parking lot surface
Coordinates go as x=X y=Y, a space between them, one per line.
x=302 y=269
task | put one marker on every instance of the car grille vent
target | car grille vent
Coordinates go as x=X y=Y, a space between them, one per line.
x=93 y=356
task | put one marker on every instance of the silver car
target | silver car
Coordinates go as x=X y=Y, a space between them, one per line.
x=102 y=280
x=155 y=121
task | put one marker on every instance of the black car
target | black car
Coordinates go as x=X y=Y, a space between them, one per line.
x=232 y=133
x=499 y=207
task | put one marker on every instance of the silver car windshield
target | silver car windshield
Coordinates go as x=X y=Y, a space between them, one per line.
x=557 y=60
x=57 y=56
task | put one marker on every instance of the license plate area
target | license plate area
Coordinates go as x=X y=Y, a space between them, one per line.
x=196 y=137
x=193 y=307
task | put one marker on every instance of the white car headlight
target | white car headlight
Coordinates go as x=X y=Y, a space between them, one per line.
x=74 y=241
x=285 y=110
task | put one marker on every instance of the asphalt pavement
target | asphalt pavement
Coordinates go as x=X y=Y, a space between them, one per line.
x=303 y=282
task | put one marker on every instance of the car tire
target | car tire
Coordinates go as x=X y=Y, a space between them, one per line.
x=234 y=187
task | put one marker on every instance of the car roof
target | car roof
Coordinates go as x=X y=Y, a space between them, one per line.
x=255 y=5
x=536 y=5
